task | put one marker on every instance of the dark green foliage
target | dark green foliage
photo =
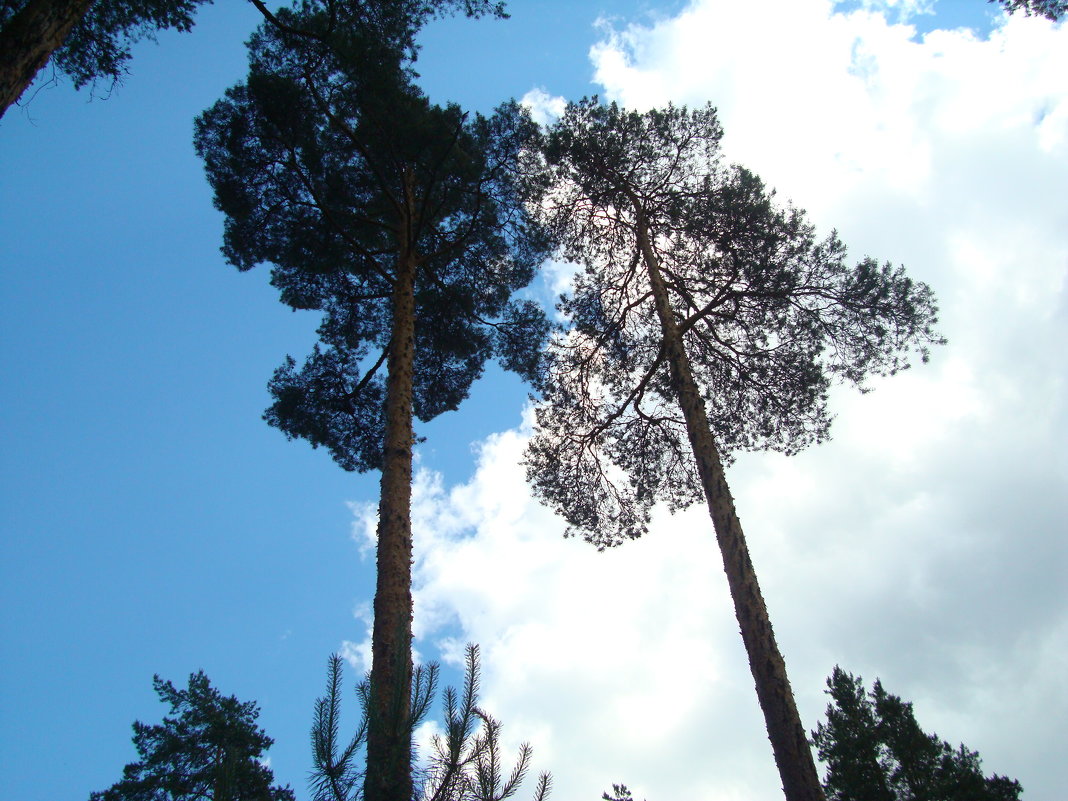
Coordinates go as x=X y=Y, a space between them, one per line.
x=98 y=47
x=330 y=165
x=209 y=749
x=465 y=764
x=769 y=315
x=1052 y=10
x=382 y=30
x=876 y=751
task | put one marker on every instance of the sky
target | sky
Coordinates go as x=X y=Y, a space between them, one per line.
x=152 y=523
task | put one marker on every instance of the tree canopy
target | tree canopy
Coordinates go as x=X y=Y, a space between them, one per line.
x=209 y=749
x=876 y=751
x=328 y=170
x=769 y=316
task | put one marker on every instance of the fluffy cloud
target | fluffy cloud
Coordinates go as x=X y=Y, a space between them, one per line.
x=543 y=107
x=925 y=543
x=825 y=105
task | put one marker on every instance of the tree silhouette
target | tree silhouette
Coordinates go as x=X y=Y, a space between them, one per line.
x=876 y=751
x=399 y=221
x=705 y=320
x=210 y=750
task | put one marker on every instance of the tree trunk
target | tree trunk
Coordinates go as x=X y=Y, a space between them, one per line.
x=29 y=38
x=793 y=756
x=389 y=749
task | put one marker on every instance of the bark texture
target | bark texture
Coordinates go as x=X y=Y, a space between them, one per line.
x=29 y=39
x=389 y=748
x=793 y=756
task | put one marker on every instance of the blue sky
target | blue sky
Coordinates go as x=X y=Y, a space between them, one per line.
x=152 y=523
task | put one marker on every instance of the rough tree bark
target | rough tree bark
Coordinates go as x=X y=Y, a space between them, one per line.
x=793 y=756
x=388 y=775
x=29 y=39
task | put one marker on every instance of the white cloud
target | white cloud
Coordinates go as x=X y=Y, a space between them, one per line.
x=924 y=544
x=358 y=654
x=543 y=107
x=825 y=104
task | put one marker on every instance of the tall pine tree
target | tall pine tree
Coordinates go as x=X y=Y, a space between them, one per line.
x=399 y=220
x=705 y=320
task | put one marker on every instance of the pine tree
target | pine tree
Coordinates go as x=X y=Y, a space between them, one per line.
x=876 y=751
x=705 y=320
x=209 y=750
x=465 y=764
x=399 y=220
